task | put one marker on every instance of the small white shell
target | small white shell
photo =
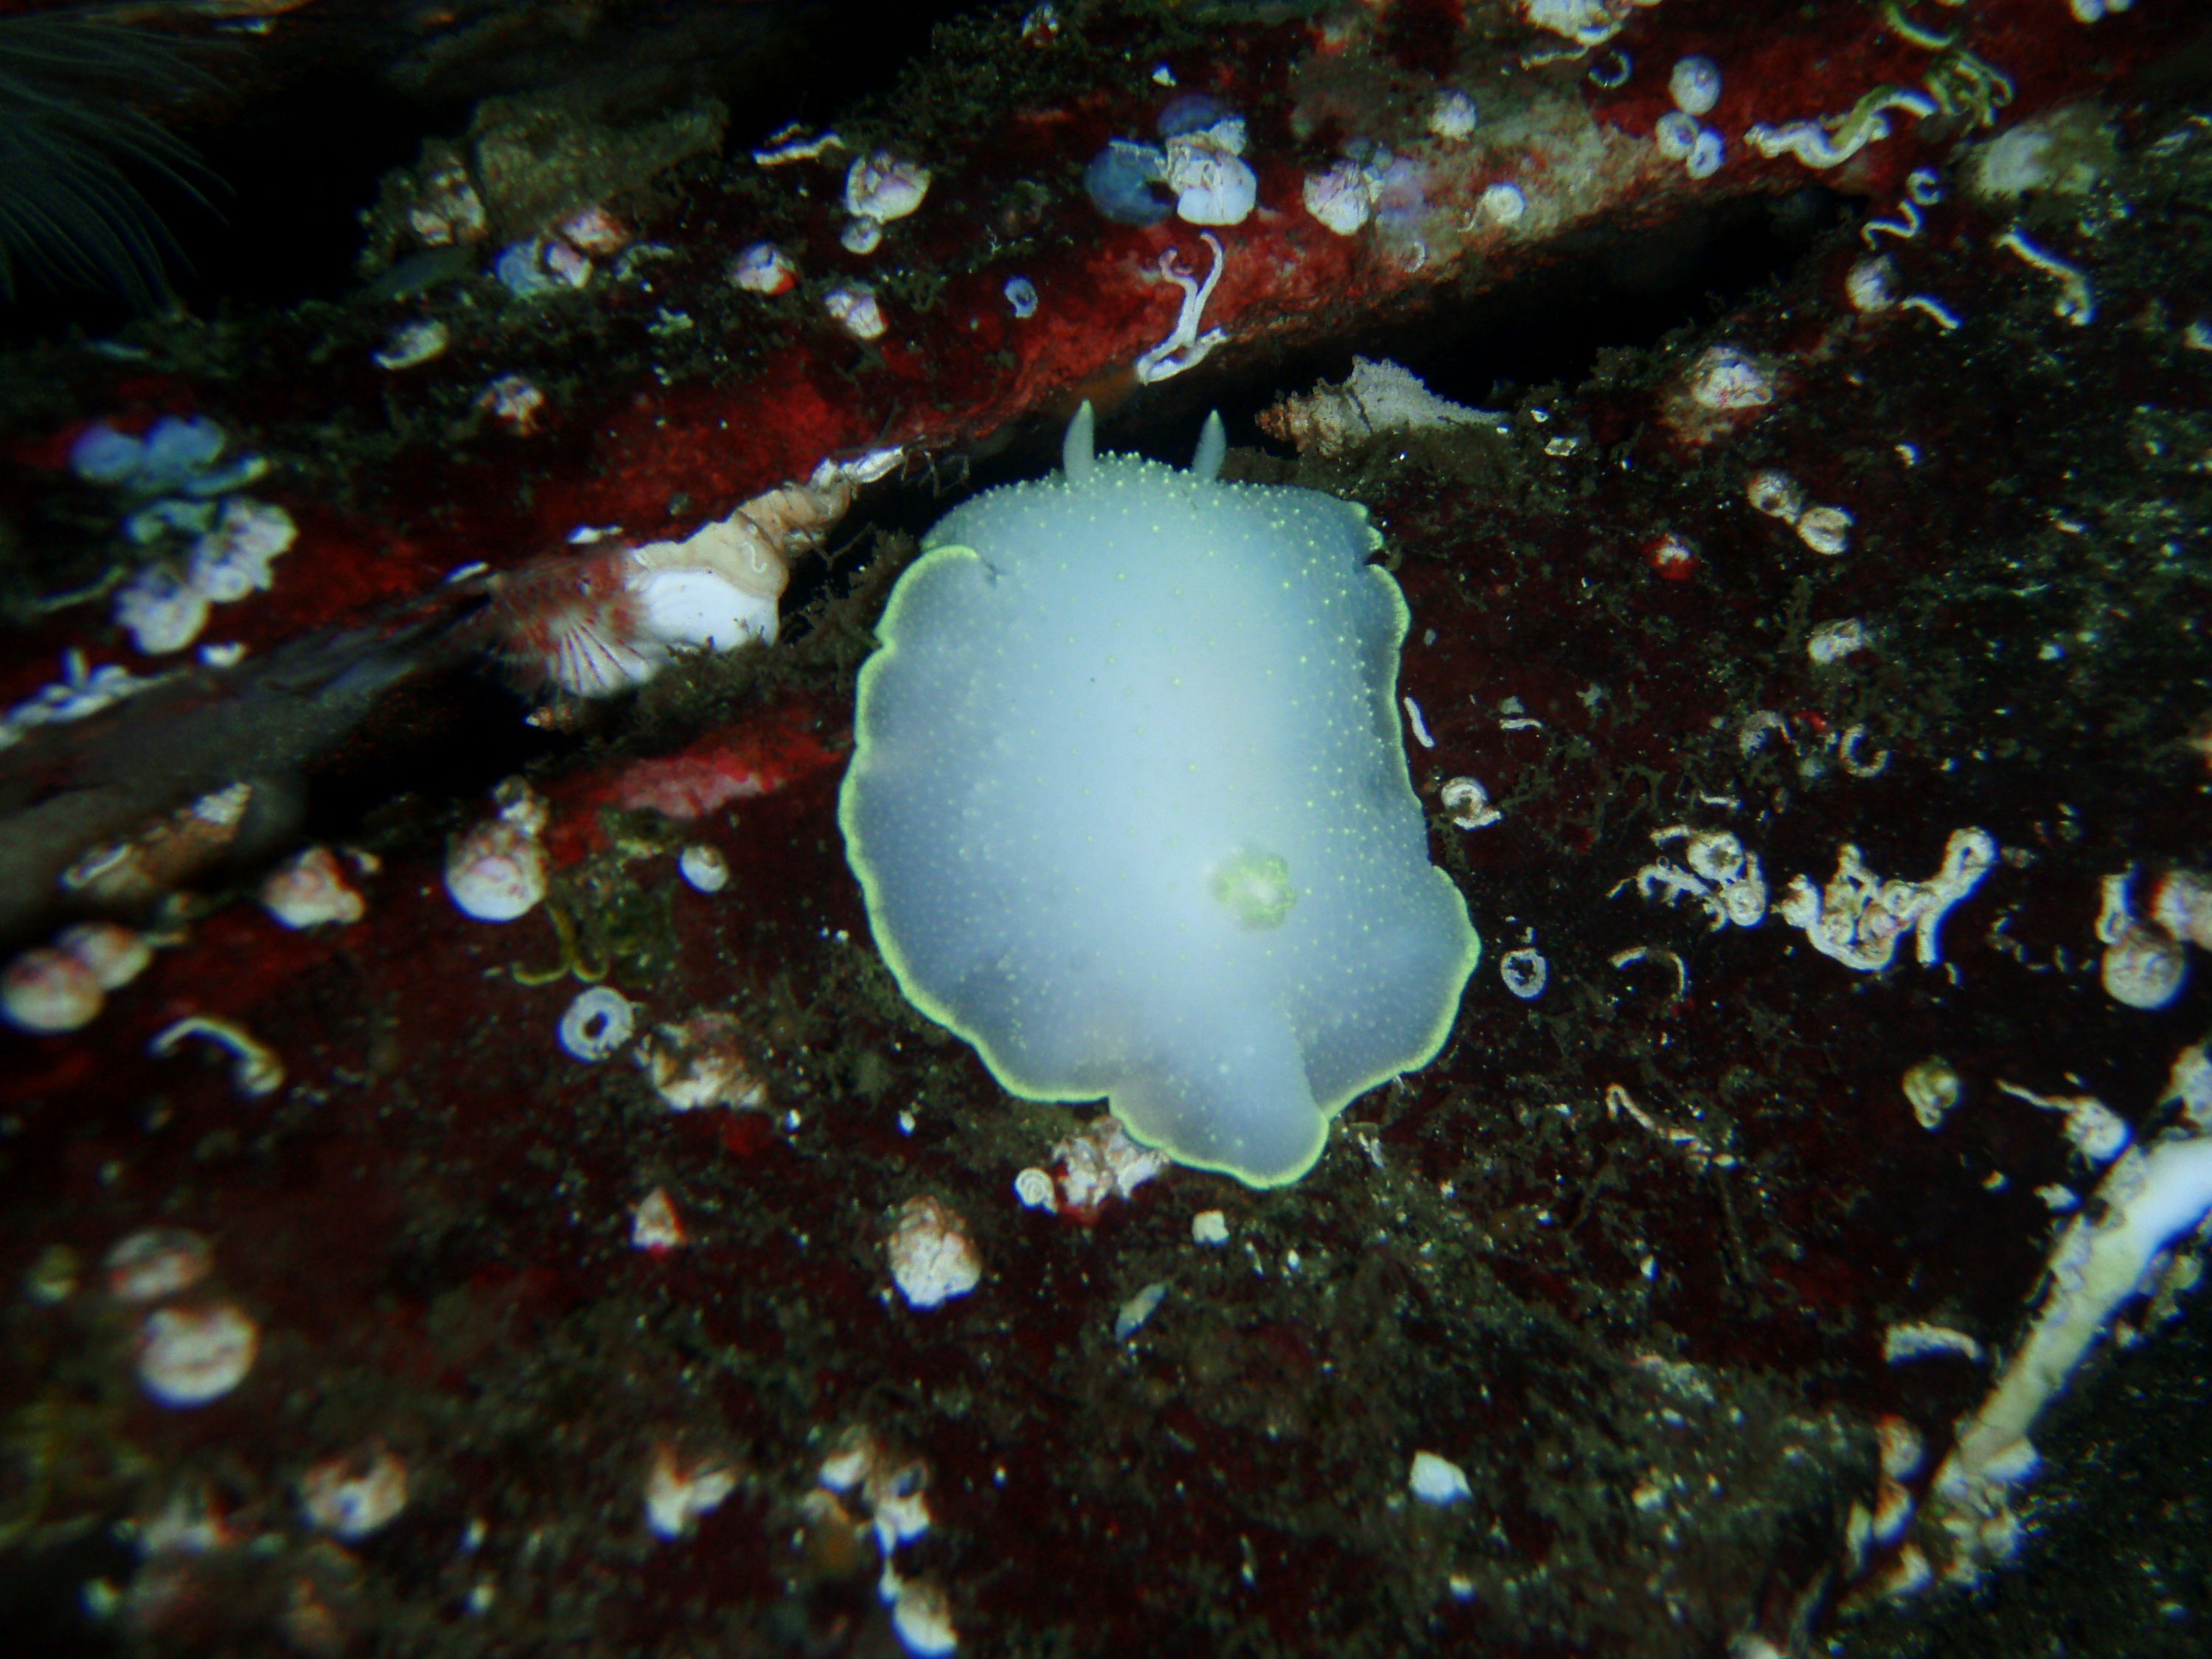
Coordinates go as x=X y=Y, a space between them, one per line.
x=704 y=867
x=597 y=1022
x=1033 y=1187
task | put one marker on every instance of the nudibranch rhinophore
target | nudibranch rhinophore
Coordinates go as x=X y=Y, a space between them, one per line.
x=1129 y=804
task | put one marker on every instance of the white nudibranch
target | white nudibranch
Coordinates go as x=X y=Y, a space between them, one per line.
x=1109 y=837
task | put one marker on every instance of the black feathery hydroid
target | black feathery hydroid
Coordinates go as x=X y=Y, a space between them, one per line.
x=73 y=138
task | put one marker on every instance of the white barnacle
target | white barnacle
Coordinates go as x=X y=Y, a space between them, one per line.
x=1775 y=493
x=1341 y=197
x=1212 y=184
x=1825 y=529
x=853 y=307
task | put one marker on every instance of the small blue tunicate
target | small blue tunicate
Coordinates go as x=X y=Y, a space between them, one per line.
x=1695 y=85
x=1021 y=296
x=521 y=270
x=1123 y=183
x=1707 y=155
x=1677 y=135
x=104 y=456
x=1192 y=113
x=179 y=451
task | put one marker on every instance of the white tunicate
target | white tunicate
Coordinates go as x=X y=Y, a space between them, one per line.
x=161 y=611
x=1695 y=84
x=1676 y=135
x=1105 y=840
x=597 y=1022
x=1525 y=973
x=1021 y=296
x=232 y=558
